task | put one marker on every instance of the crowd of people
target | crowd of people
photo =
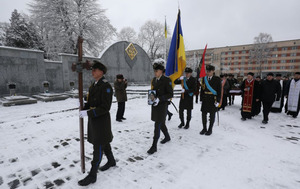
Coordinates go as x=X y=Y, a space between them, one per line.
x=215 y=94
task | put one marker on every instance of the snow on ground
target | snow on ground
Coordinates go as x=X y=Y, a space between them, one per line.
x=39 y=146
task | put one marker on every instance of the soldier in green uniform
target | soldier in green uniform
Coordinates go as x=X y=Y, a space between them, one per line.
x=163 y=87
x=99 y=123
x=186 y=99
x=210 y=95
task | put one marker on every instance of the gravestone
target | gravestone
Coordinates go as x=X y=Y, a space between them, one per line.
x=47 y=96
x=14 y=99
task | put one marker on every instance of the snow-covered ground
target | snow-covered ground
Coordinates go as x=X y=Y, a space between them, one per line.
x=39 y=145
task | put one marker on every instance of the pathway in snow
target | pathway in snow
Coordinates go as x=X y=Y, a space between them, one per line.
x=40 y=149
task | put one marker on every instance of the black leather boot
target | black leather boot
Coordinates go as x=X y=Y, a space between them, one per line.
x=209 y=132
x=187 y=125
x=166 y=139
x=91 y=178
x=153 y=148
x=111 y=162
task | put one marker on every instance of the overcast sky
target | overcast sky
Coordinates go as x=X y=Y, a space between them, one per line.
x=216 y=22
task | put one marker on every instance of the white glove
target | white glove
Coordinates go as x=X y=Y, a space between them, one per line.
x=182 y=90
x=217 y=104
x=156 y=101
x=199 y=79
x=181 y=77
x=82 y=113
x=150 y=102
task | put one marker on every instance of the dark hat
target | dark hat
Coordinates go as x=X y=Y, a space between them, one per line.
x=100 y=66
x=298 y=73
x=120 y=76
x=278 y=75
x=251 y=73
x=188 y=70
x=270 y=74
x=258 y=77
x=158 y=66
x=230 y=75
x=221 y=75
x=210 y=68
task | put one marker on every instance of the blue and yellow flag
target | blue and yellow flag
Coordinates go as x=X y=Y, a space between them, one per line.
x=166 y=30
x=176 y=60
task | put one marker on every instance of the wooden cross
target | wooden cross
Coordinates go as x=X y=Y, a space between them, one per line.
x=78 y=67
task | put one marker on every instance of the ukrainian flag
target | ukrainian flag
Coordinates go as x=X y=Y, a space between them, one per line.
x=166 y=30
x=176 y=60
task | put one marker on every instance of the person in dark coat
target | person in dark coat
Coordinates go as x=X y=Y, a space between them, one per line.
x=225 y=87
x=120 y=86
x=210 y=95
x=186 y=99
x=258 y=103
x=164 y=92
x=270 y=91
x=278 y=105
x=250 y=97
x=293 y=96
x=197 y=91
x=232 y=82
x=99 y=123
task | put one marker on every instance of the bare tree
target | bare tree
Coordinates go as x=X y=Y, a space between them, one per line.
x=152 y=38
x=61 y=21
x=261 y=50
x=127 y=34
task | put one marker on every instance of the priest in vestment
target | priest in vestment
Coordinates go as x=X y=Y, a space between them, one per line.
x=293 y=96
x=251 y=97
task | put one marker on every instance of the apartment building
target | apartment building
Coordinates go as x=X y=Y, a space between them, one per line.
x=284 y=58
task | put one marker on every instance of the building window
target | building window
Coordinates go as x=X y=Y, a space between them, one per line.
x=222 y=53
x=236 y=63
x=229 y=58
x=284 y=48
x=236 y=52
x=294 y=48
x=274 y=61
x=292 y=61
x=293 y=54
x=273 y=68
x=283 y=61
x=274 y=55
x=242 y=63
x=229 y=63
x=275 y=49
x=236 y=58
x=244 y=52
x=283 y=55
x=242 y=69
x=229 y=53
x=292 y=67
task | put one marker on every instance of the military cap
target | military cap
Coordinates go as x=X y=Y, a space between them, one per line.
x=298 y=73
x=158 y=66
x=210 y=68
x=188 y=70
x=100 y=66
x=278 y=75
x=270 y=74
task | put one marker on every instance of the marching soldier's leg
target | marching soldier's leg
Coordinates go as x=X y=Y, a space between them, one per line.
x=164 y=129
x=111 y=162
x=204 y=121
x=92 y=176
x=181 y=117
x=212 y=116
x=153 y=148
x=188 y=118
